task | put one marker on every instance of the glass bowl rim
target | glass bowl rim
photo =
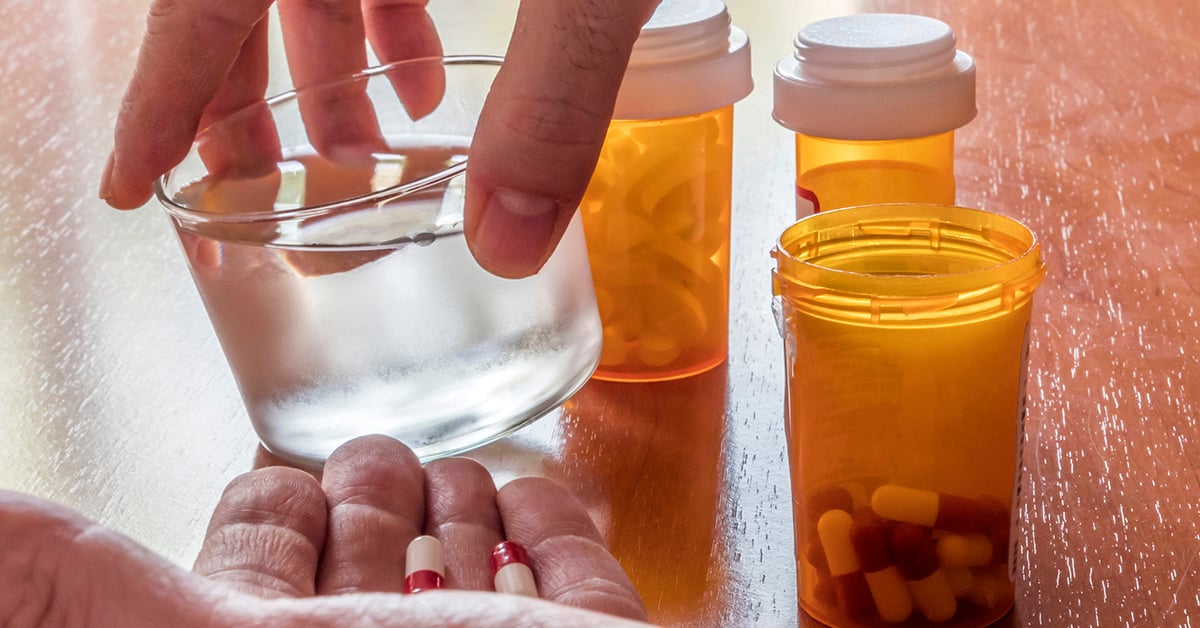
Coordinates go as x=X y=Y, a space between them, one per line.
x=377 y=197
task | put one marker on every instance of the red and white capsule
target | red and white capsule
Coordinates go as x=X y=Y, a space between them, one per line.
x=953 y=513
x=424 y=568
x=853 y=592
x=870 y=538
x=916 y=557
x=511 y=572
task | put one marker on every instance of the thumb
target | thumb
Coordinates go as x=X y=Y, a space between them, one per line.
x=542 y=127
x=59 y=569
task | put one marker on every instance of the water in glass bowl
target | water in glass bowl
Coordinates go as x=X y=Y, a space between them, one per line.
x=377 y=319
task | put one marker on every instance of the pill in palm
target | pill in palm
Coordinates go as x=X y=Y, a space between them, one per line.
x=511 y=571
x=424 y=568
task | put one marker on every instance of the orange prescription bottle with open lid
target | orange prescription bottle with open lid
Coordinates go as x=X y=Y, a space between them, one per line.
x=657 y=211
x=874 y=100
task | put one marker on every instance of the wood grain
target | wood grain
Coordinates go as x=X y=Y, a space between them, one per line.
x=117 y=400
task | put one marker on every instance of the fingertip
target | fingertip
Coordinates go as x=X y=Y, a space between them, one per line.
x=512 y=233
x=341 y=122
x=105 y=176
x=374 y=487
x=542 y=127
x=458 y=466
x=282 y=478
x=22 y=514
x=462 y=487
x=371 y=450
x=284 y=495
x=266 y=534
x=524 y=487
x=421 y=85
x=537 y=507
x=529 y=486
x=405 y=33
x=461 y=511
x=122 y=191
x=375 y=469
x=424 y=102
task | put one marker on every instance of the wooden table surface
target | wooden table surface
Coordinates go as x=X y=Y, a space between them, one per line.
x=115 y=398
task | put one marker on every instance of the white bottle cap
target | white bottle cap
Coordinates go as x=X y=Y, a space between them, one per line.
x=688 y=59
x=876 y=76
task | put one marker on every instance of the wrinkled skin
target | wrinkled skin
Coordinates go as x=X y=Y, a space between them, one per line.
x=284 y=549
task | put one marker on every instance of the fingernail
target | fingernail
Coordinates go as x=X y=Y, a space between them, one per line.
x=105 y=179
x=515 y=232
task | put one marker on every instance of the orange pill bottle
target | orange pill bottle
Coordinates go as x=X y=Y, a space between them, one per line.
x=657 y=211
x=874 y=101
x=906 y=337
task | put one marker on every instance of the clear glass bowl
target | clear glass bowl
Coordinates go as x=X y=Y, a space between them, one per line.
x=323 y=228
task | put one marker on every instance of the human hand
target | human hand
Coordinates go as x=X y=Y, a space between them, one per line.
x=283 y=549
x=539 y=133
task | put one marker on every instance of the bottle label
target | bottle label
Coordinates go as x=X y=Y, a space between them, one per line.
x=806 y=202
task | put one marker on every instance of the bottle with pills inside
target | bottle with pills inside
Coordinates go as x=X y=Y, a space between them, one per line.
x=874 y=101
x=906 y=335
x=657 y=211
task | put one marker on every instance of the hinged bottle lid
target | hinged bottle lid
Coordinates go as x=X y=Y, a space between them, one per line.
x=688 y=59
x=876 y=76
